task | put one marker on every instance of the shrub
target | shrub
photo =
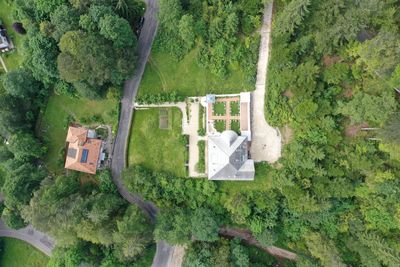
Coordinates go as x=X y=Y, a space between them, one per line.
x=159 y=98
x=19 y=28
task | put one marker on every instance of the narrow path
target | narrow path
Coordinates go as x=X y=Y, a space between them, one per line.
x=266 y=141
x=3 y=64
x=249 y=238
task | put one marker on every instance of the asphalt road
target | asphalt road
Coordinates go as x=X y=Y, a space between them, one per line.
x=164 y=252
x=28 y=234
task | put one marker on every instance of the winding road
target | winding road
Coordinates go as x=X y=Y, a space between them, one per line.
x=164 y=252
x=28 y=234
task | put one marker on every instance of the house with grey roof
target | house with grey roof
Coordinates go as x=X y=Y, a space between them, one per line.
x=228 y=157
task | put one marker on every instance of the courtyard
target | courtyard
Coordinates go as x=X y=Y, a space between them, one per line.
x=228 y=112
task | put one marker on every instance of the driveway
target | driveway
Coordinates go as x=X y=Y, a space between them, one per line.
x=266 y=140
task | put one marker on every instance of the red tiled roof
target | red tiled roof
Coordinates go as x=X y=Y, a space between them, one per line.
x=78 y=142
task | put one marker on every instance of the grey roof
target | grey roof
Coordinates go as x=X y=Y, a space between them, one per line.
x=228 y=157
x=210 y=98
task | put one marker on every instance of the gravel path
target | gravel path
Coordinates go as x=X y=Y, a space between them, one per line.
x=266 y=141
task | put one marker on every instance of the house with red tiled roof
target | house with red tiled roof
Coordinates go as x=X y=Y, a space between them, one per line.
x=83 y=150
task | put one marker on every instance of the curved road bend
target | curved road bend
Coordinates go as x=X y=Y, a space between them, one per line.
x=39 y=240
x=164 y=252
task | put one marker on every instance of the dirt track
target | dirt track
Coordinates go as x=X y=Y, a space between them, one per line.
x=249 y=238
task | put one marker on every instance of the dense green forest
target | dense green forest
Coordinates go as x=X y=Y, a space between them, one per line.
x=224 y=32
x=333 y=84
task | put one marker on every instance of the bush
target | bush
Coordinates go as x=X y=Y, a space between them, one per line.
x=64 y=88
x=19 y=28
x=159 y=98
x=201 y=132
x=12 y=219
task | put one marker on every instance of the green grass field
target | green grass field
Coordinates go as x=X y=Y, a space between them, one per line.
x=17 y=253
x=235 y=126
x=235 y=108
x=14 y=58
x=220 y=108
x=220 y=125
x=60 y=110
x=164 y=74
x=155 y=148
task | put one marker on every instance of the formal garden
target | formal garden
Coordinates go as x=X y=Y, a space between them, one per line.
x=159 y=148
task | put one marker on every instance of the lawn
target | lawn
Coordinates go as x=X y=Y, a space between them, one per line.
x=155 y=148
x=235 y=126
x=201 y=165
x=14 y=58
x=164 y=74
x=60 y=111
x=235 y=109
x=219 y=108
x=17 y=253
x=220 y=125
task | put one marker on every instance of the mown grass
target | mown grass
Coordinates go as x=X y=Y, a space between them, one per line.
x=53 y=123
x=155 y=148
x=235 y=109
x=220 y=125
x=12 y=59
x=17 y=253
x=220 y=108
x=235 y=126
x=164 y=74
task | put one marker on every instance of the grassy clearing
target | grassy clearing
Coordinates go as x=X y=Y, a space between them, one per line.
x=17 y=253
x=14 y=58
x=220 y=108
x=60 y=111
x=164 y=74
x=220 y=125
x=235 y=109
x=155 y=148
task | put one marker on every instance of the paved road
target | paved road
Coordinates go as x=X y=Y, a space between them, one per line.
x=28 y=234
x=164 y=252
x=266 y=141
